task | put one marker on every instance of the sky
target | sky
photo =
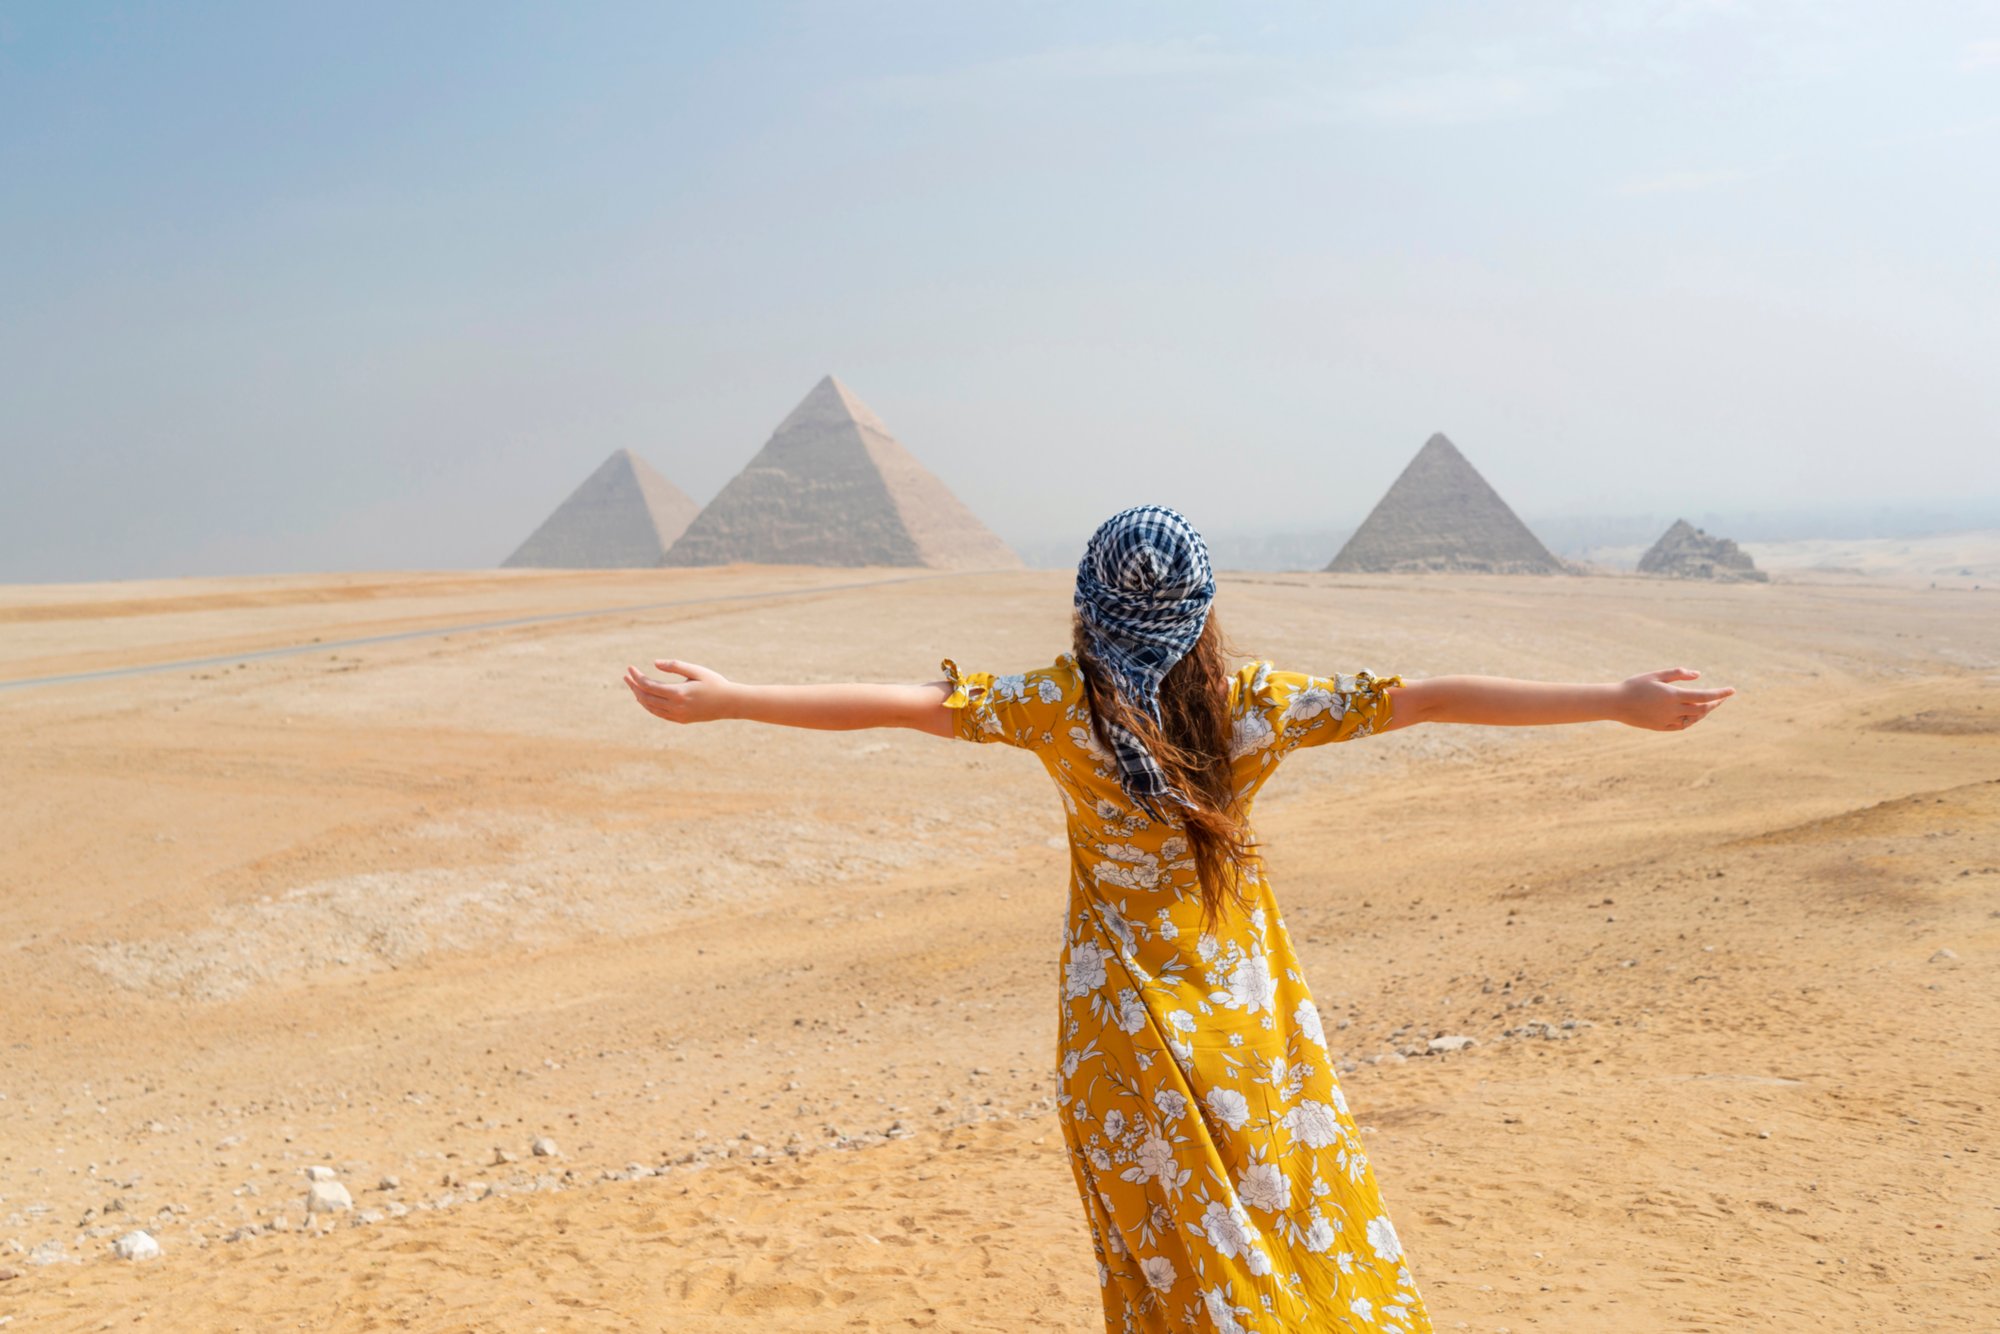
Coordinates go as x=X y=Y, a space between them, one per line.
x=374 y=286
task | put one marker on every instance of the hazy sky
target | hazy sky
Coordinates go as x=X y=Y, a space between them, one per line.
x=374 y=285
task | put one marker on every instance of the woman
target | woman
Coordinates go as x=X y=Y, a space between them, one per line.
x=1222 y=1175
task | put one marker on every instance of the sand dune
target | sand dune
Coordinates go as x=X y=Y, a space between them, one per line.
x=784 y=1001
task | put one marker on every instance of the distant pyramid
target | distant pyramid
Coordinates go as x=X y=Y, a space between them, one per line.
x=1441 y=515
x=623 y=515
x=832 y=487
x=1686 y=552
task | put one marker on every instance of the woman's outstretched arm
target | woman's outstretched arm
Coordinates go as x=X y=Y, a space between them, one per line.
x=708 y=696
x=1653 y=700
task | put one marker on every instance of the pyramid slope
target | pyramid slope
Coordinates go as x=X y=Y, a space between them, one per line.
x=624 y=516
x=1440 y=515
x=1686 y=552
x=833 y=487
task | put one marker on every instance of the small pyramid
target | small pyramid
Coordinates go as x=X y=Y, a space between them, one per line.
x=1686 y=552
x=832 y=487
x=1440 y=515
x=624 y=515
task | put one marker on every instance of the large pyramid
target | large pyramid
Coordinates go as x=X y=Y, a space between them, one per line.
x=624 y=514
x=832 y=487
x=1441 y=515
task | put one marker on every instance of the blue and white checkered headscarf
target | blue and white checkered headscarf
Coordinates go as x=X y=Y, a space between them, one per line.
x=1143 y=589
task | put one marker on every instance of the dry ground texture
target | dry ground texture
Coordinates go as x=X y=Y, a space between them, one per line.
x=785 y=1001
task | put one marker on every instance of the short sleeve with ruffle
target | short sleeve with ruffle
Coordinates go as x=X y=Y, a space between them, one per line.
x=1026 y=709
x=1292 y=709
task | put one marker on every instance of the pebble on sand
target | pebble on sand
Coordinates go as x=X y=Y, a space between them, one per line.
x=319 y=1173
x=137 y=1246
x=1451 y=1042
x=328 y=1197
x=544 y=1147
x=1945 y=955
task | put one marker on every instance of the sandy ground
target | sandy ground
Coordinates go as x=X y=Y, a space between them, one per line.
x=785 y=1002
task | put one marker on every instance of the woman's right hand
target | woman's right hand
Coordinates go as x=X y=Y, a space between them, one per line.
x=702 y=696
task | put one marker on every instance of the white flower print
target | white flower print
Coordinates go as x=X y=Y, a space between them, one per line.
x=1260 y=1263
x=1128 y=867
x=1086 y=970
x=1131 y=1011
x=1103 y=1274
x=1182 y=1021
x=1313 y=699
x=1321 y=1236
x=1048 y=691
x=1313 y=1125
x=1207 y=948
x=1306 y=1017
x=1171 y=1104
x=1220 y=1313
x=1009 y=689
x=1070 y=1061
x=1085 y=739
x=1229 y=1230
x=1363 y=1309
x=1264 y=1187
x=1339 y=1100
x=1249 y=733
x=1167 y=930
x=1278 y=1071
x=1156 y=1160
x=1382 y=1238
x=1251 y=986
x=1114 y=1124
x=1099 y=1159
x=1174 y=848
x=1159 y=1272
x=1229 y=1107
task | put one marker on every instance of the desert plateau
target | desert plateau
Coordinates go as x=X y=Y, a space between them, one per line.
x=605 y=1025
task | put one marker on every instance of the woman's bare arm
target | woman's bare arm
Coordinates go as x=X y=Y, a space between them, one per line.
x=1652 y=700
x=705 y=696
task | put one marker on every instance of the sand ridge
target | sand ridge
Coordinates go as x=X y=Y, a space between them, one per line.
x=1733 y=993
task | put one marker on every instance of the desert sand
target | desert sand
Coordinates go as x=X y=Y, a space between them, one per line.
x=784 y=1002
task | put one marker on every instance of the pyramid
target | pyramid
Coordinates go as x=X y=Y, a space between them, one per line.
x=832 y=487
x=1441 y=515
x=1686 y=552
x=623 y=515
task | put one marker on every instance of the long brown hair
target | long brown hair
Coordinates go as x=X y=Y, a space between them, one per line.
x=1191 y=744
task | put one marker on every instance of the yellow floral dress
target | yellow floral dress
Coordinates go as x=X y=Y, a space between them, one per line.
x=1223 y=1178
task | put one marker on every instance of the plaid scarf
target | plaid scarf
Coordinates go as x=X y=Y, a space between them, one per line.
x=1143 y=589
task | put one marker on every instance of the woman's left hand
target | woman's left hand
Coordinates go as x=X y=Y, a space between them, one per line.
x=1653 y=700
x=702 y=697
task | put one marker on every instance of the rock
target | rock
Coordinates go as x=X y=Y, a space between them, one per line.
x=501 y=1157
x=48 y=1253
x=137 y=1246
x=544 y=1147
x=1944 y=956
x=319 y=1173
x=328 y=1197
x=390 y=1182
x=1392 y=1058
x=8 y=1275
x=1451 y=1042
